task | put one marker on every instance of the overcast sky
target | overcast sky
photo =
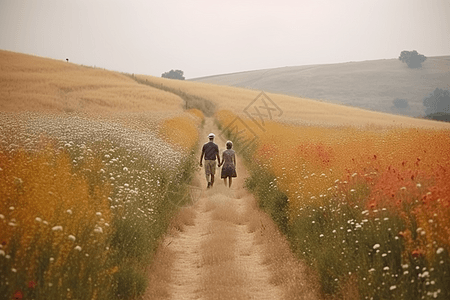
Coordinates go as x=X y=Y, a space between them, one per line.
x=208 y=37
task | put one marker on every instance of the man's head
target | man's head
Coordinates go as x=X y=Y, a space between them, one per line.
x=211 y=136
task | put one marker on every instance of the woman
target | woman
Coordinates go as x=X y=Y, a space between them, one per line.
x=229 y=164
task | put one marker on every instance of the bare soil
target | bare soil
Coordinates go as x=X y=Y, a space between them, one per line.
x=224 y=247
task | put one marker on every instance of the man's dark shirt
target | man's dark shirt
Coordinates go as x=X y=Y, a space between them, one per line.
x=211 y=150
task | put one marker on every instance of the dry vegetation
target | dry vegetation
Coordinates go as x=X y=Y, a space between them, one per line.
x=362 y=196
x=367 y=207
x=300 y=111
x=29 y=83
x=88 y=161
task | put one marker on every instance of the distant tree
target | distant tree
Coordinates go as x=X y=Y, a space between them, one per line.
x=438 y=105
x=412 y=58
x=401 y=103
x=173 y=74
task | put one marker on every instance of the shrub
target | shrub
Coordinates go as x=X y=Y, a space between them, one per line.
x=437 y=103
x=173 y=74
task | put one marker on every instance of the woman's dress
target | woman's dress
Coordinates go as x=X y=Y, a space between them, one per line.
x=228 y=168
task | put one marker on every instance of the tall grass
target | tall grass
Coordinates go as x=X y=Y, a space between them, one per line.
x=29 y=83
x=84 y=206
x=367 y=208
x=191 y=101
x=296 y=110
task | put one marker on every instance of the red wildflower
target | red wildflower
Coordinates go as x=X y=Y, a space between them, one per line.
x=417 y=253
x=18 y=295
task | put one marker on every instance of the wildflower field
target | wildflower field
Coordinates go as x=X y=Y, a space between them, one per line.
x=91 y=162
x=84 y=202
x=367 y=207
x=88 y=159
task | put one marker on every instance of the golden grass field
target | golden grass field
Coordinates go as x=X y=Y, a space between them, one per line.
x=29 y=83
x=321 y=171
x=296 y=111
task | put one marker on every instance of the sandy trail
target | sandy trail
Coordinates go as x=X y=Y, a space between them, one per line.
x=223 y=247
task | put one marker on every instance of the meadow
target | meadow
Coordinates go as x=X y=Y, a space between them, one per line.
x=368 y=208
x=84 y=202
x=38 y=84
x=362 y=196
x=91 y=160
x=90 y=164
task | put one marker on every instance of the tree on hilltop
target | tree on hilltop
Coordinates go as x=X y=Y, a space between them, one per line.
x=173 y=74
x=412 y=58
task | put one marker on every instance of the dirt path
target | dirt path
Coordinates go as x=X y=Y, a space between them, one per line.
x=223 y=247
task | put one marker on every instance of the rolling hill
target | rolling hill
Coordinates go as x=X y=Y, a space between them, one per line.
x=369 y=84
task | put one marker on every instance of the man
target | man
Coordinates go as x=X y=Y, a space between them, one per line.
x=211 y=151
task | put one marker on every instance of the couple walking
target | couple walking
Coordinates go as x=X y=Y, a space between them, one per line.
x=210 y=151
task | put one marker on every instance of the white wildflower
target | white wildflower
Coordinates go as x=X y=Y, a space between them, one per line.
x=376 y=246
x=98 y=230
x=72 y=238
x=57 y=228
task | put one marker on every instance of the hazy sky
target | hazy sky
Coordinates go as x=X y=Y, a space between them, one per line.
x=207 y=37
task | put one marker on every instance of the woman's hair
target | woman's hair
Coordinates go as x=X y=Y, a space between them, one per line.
x=229 y=144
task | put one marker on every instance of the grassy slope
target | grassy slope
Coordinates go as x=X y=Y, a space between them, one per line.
x=30 y=83
x=103 y=162
x=368 y=84
x=295 y=110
